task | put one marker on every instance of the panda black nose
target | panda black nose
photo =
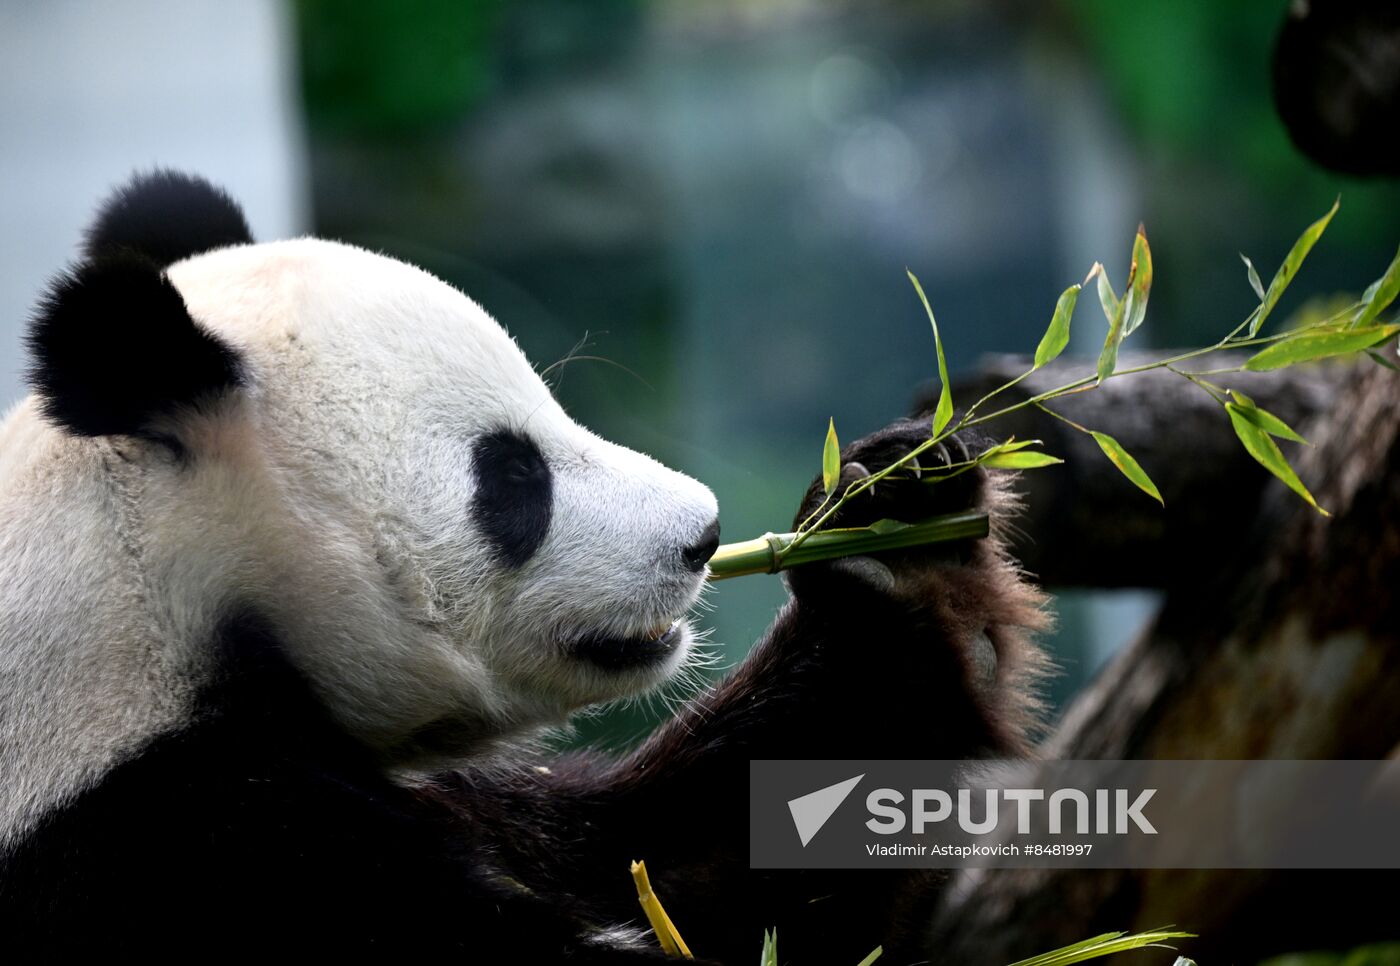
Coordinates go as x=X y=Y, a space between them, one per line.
x=699 y=553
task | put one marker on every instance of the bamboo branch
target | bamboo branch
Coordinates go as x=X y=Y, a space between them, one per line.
x=773 y=552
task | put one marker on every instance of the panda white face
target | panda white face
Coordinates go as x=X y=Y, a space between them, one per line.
x=450 y=556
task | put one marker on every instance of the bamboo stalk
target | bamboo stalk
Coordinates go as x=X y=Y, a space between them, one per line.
x=765 y=554
x=666 y=934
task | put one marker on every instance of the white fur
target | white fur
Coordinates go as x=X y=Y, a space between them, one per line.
x=332 y=494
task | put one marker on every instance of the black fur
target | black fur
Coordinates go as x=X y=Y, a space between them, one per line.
x=113 y=349
x=262 y=828
x=166 y=216
x=514 y=498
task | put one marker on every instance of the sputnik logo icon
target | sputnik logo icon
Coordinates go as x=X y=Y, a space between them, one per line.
x=811 y=811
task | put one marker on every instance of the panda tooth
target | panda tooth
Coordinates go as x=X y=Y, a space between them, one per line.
x=660 y=630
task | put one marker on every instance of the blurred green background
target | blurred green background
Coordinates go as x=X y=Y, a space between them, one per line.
x=720 y=196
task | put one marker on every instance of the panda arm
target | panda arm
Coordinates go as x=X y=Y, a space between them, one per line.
x=923 y=655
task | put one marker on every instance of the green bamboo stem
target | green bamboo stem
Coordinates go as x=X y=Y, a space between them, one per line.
x=769 y=553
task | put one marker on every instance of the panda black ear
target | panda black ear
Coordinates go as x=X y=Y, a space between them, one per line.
x=114 y=348
x=166 y=216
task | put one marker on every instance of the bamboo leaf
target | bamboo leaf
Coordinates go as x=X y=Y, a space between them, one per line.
x=943 y=412
x=1264 y=419
x=1107 y=299
x=1262 y=447
x=1108 y=358
x=1105 y=945
x=1022 y=460
x=1381 y=293
x=831 y=459
x=1382 y=360
x=770 y=948
x=1057 y=335
x=1139 y=284
x=1319 y=345
x=1291 y=263
x=1072 y=950
x=1254 y=282
x=1011 y=446
x=875 y=954
x=1124 y=314
x=1128 y=466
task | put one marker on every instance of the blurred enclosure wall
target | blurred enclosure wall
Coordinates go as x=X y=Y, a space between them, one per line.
x=719 y=197
x=91 y=91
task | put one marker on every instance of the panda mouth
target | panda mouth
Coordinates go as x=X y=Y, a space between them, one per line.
x=622 y=653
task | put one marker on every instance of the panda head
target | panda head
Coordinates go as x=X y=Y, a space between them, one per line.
x=356 y=452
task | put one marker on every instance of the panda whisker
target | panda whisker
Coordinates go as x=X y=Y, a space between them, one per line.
x=564 y=360
x=604 y=359
x=577 y=354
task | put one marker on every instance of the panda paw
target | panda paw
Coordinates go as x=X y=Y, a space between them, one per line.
x=907 y=496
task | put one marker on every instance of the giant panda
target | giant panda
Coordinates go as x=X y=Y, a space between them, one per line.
x=298 y=560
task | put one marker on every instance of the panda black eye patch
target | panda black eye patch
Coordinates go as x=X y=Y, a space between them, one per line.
x=514 y=495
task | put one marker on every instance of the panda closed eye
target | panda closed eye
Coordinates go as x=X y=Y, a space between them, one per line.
x=514 y=495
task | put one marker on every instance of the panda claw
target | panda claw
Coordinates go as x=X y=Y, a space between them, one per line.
x=982 y=659
x=868 y=571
